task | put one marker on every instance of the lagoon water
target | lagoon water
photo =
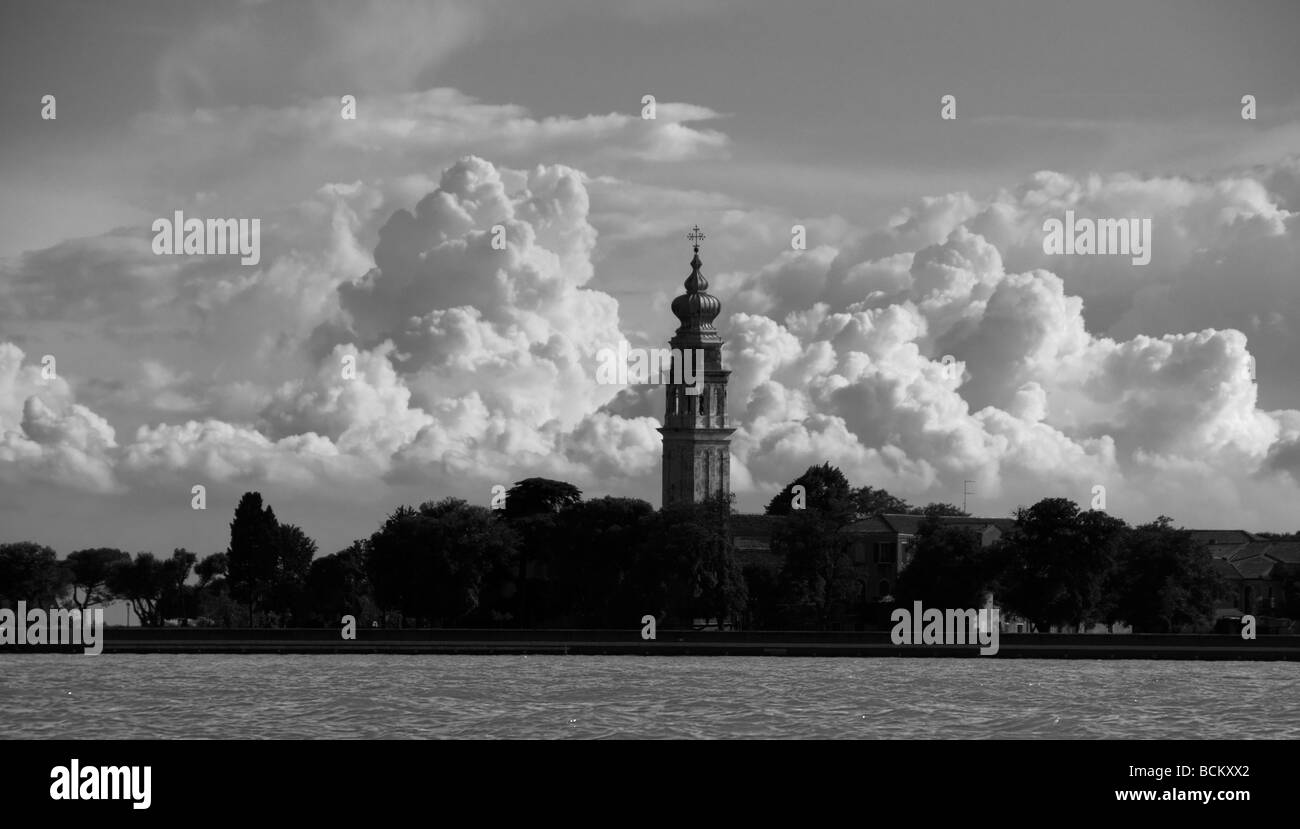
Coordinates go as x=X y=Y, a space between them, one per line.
x=391 y=696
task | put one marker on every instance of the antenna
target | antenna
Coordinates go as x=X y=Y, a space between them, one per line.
x=964 y=493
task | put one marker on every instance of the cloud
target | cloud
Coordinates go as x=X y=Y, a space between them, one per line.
x=471 y=362
x=1038 y=401
x=448 y=357
x=360 y=47
x=259 y=152
x=50 y=438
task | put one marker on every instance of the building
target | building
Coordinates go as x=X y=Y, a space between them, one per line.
x=696 y=431
x=880 y=548
x=882 y=545
x=751 y=539
x=1256 y=569
x=1220 y=542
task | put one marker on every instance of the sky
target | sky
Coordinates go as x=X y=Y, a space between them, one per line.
x=922 y=339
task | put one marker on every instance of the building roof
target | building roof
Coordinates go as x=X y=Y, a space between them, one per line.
x=751 y=539
x=874 y=524
x=1287 y=552
x=908 y=524
x=903 y=524
x=1255 y=567
x=1004 y=525
x=1255 y=559
x=754 y=525
x=1215 y=537
x=751 y=532
x=1224 y=568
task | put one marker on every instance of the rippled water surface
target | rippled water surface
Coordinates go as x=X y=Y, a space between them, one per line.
x=386 y=696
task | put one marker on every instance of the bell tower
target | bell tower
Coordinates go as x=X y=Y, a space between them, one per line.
x=696 y=431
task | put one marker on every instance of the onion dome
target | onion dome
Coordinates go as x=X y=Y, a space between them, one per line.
x=697 y=309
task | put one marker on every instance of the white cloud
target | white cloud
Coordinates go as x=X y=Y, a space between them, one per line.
x=476 y=365
x=50 y=438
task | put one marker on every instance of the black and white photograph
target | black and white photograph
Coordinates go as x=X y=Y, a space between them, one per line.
x=649 y=370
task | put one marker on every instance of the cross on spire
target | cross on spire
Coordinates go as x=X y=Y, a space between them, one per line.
x=696 y=237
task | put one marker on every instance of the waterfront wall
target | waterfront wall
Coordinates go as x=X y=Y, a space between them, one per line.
x=672 y=643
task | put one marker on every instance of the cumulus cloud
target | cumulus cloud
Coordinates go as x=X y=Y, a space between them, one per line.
x=44 y=435
x=461 y=349
x=498 y=343
x=259 y=152
x=1037 y=399
x=451 y=355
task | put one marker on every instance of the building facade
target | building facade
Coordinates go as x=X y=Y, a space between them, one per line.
x=1257 y=571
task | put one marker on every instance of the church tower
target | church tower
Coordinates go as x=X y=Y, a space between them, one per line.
x=696 y=430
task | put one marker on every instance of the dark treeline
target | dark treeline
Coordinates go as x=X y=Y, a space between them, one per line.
x=551 y=559
x=1060 y=567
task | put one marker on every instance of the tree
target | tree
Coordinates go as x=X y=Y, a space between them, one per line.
x=211 y=569
x=89 y=571
x=532 y=496
x=390 y=561
x=431 y=564
x=252 y=559
x=936 y=508
x=214 y=601
x=1164 y=582
x=686 y=569
x=595 y=558
x=177 y=599
x=763 y=594
x=949 y=568
x=818 y=572
x=32 y=573
x=1055 y=565
x=142 y=582
x=337 y=585
x=467 y=545
x=869 y=501
x=293 y=551
x=533 y=507
x=825 y=489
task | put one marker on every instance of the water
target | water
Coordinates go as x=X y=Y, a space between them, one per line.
x=389 y=696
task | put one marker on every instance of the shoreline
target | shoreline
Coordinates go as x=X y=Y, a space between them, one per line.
x=877 y=644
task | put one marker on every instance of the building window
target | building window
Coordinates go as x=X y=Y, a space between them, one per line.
x=886 y=552
x=884 y=588
x=859 y=552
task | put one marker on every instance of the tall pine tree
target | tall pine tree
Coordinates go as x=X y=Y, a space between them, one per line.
x=252 y=552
